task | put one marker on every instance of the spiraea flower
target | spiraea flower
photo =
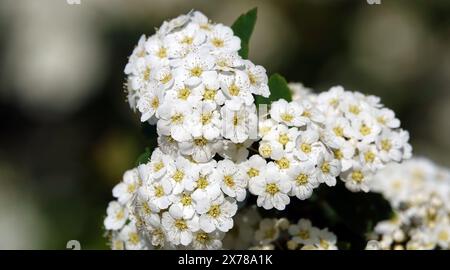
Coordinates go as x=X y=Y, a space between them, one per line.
x=182 y=76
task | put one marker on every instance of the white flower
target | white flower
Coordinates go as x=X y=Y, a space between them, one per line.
x=237 y=152
x=207 y=241
x=141 y=73
x=168 y=145
x=369 y=157
x=157 y=192
x=344 y=153
x=258 y=79
x=116 y=217
x=185 y=41
x=386 y=117
x=157 y=50
x=289 y=113
x=253 y=167
x=327 y=240
x=327 y=169
x=216 y=213
x=196 y=68
x=391 y=144
x=175 y=121
x=237 y=86
x=271 y=188
x=308 y=145
x=206 y=121
x=232 y=181
x=282 y=136
x=181 y=175
x=185 y=203
x=199 y=148
x=150 y=100
x=156 y=168
x=239 y=121
x=181 y=92
x=365 y=129
x=269 y=149
x=131 y=237
x=303 y=180
x=221 y=39
x=357 y=178
x=206 y=185
x=125 y=190
x=303 y=232
x=179 y=230
x=267 y=232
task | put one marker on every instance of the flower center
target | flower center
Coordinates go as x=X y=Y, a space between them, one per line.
x=252 y=172
x=202 y=182
x=177 y=118
x=287 y=117
x=235 y=119
x=214 y=211
x=131 y=188
x=306 y=148
x=357 y=176
x=133 y=238
x=184 y=93
x=339 y=131
x=303 y=234
x=159 y=191
x=369 y=156
x=120 y=214
x=206 y=118
x=180 y=224
x=386 y=145
x=217 y=42
x=200 y=141
x=252 y=78
x=187 y=40
x=338 y=154
x=272 y=188
x=266 y=150
x=283 y=163
x=354 y=109
x=202 y=238
x=325 y=167
x=209 y=94
x=186 y=200
x=166 y=78
x=196 y=71
x=283 y=139
x=158 y=166
x=162 y=52
x=147 y=74
x=155 y=103
x=302 y=179
x=178 y=176
x=365 y=130
x=234 y=90
x=229 y=181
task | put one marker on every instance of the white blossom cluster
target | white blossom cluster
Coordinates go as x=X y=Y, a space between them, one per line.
x=175 y=203
x=253 y=232
x=419 y=192
x=189 y=79
x=316 y=138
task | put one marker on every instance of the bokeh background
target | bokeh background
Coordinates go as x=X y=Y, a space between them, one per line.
x=67 y=134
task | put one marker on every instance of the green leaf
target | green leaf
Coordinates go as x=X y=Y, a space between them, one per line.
x=243 y=28
x=144 y=157
x=279 y=89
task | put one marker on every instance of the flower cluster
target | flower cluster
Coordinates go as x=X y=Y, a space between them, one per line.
x=419 y=192
x=252 y=232
x=316 y=138
x=190 y=80
x=176 y=203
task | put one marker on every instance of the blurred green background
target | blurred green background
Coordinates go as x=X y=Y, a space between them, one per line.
x=67 y=134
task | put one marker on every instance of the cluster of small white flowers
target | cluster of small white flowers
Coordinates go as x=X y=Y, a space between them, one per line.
x=316 y=138
x=176 y=203
x=419 y=192
x=279 y=233
x=189 y=79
